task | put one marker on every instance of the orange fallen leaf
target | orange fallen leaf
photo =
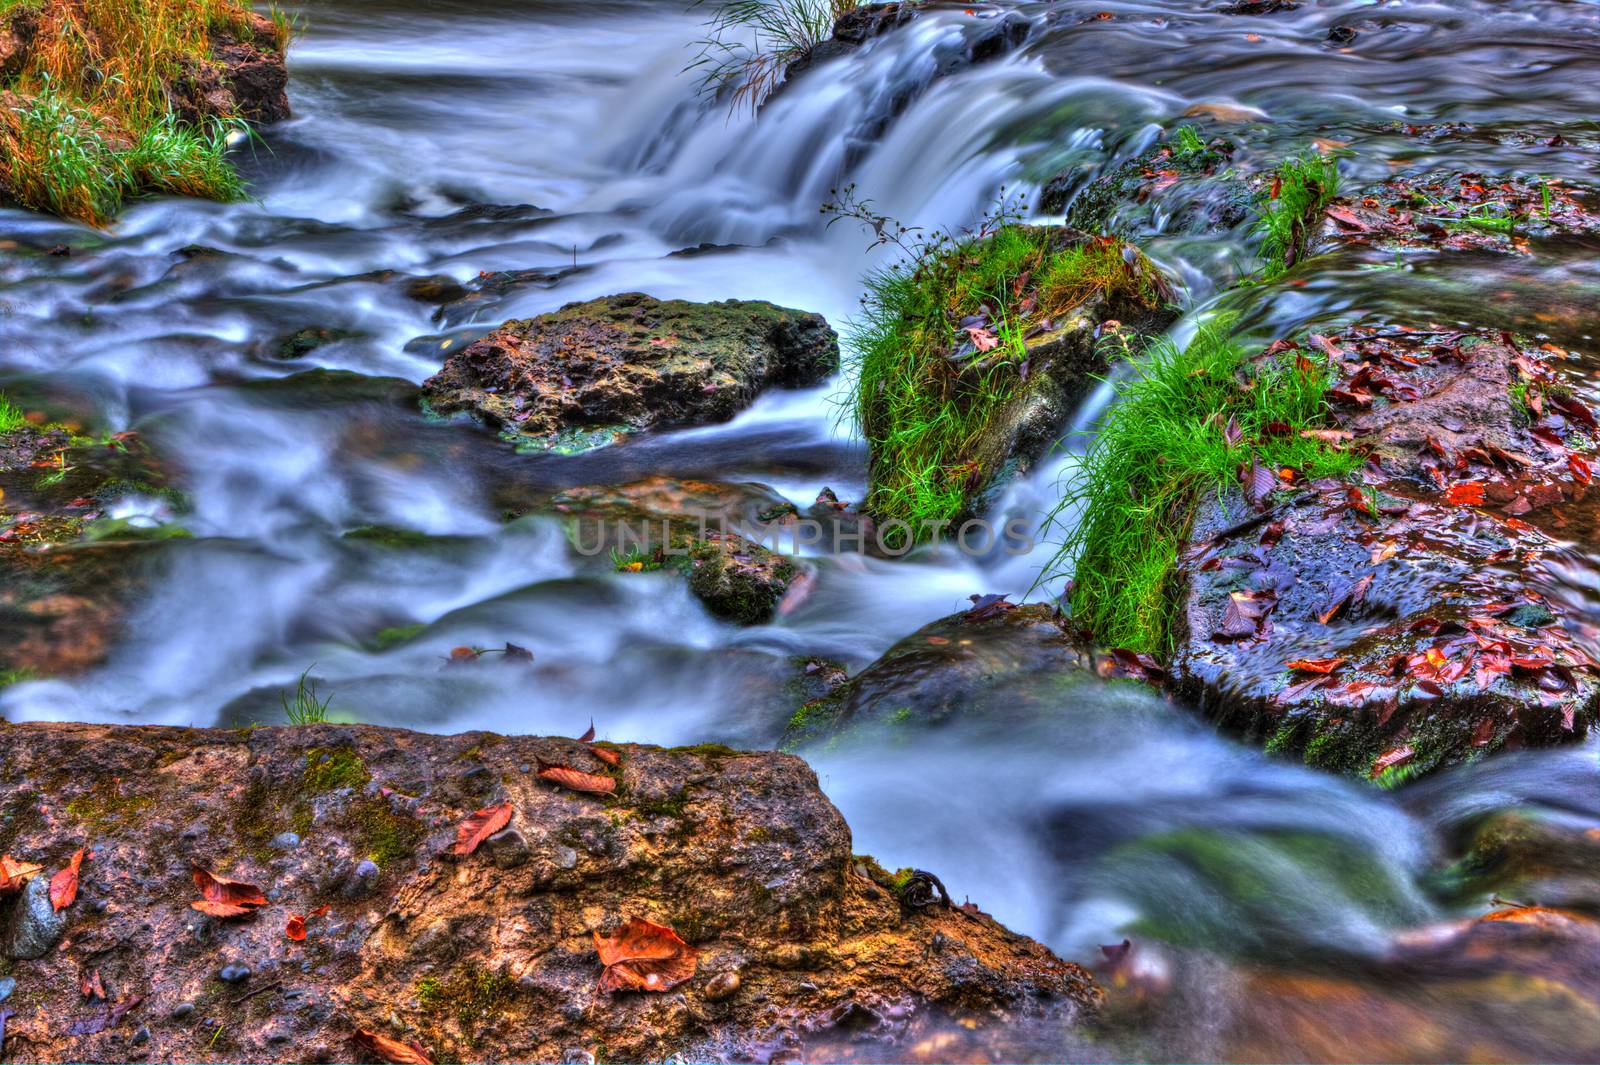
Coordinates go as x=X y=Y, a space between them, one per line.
x=577 y=780
x=91 y=985
x=606 y=755
x=1391 y=758
x=225 y=898
x=14 y=874
x=1465 y=493
x=644 y=956
x=391 y=1050
x=1316 y=665
x=64 y=885
x=481 y=825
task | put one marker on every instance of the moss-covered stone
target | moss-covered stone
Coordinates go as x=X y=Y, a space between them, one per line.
x=631 y=362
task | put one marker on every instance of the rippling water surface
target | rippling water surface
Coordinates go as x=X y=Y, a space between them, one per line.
x=545 y=152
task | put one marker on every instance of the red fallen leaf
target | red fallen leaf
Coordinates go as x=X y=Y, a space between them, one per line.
x=1581 y=468
x=1391 y=758
x=982 y=339
x=1259 y=483
x=1231 y=432
x=587 y=736
x=1483 y=733
x=1242 y=616
x=577 y=780
x=606 y=755
x=1316 y=665
x=225 y=898
x=390 y=1050
x=1466 y=493
x=64 y=885
x=91 y=986
x=481 y=825
x=1348 y=219
x=644 y=956
x=296 y=928
x=1355 y=397
x=1575 y=410
x=14 y=874
x=1328 y=436
x=1119 y=663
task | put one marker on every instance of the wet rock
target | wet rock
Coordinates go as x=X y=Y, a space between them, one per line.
x=1454 y=211
x=234 y=974
x=1002 y=664
x=1388 y=627
x=736 y=579
x=576 y=378
x=33 y=927
x=740 y=853
x=302 y=342
x=1166 y=189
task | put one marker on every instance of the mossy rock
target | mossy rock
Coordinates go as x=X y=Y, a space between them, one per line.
x=1192 y=191
x=971 y=362
x=577 y=377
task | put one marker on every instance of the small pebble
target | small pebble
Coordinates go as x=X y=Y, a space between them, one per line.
x=142 y=1036
x=362 y=881
x=182 y=1010
x=233 y=974
x=722 y=985
x=566 y=857
x=7 y=985
x=285 y=841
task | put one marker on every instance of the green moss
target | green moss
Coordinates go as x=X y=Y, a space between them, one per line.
x=330 y=768
x=1163 y=443
x=382 y=834
x=706 y=750
x=932 y=408
x=398 y=634
x=471 y=994
x=673 y=806
x=106 y=806
x=389 y=536
x=22 y=675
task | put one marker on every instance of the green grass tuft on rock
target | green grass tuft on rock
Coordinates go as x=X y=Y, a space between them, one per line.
x=926 y=412
x=1164 y=442
x=1291 y=209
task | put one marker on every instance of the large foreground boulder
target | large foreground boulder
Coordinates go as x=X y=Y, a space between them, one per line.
x=782 y=943
x=580 y=376
x=1415 y=619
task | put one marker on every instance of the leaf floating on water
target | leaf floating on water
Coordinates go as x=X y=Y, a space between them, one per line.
x=577 y=780
x=481 y=825
x=644 y=956
x=64 y=885
x=1316 y=665
x=390 y=1050
x=225 y=898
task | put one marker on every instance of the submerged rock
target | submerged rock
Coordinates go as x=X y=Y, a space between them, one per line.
x=739 y=854
x=1415 y=620
x=995 y=662
x=1452 y=211
x=1182 y=187
x=579 y=376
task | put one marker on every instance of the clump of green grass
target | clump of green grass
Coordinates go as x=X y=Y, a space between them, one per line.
x=1186 y=140
x=11 y=416
x=1166 y=441
x=750 y=43
x=304 y=708
x=93 y=123
x=1291 y=208
x=928 y=402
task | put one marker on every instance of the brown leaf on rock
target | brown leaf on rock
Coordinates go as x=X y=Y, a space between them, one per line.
x=64 y=885
x=606 y=755
x=577 y=780
x=15 y=874
x=1391 y=758
x=1316 y=665
x=1353 y=594
x=644 y=956
x=225 y=898
x=481 y=825
x=390 y=1050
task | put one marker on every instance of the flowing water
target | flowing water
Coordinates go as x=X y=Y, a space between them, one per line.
x=546 y=151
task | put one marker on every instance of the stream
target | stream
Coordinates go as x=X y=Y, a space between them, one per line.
x=545 y=151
